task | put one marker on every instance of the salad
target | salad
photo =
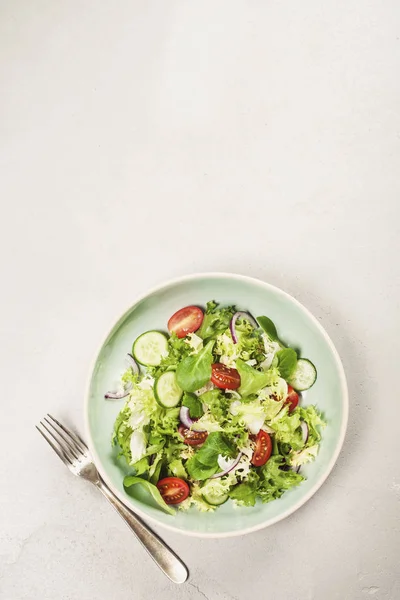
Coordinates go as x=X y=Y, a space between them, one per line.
x=213 y=411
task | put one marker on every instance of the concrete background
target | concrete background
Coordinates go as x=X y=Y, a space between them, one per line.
x=142 y=140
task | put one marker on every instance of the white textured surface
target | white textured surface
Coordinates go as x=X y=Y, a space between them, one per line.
x=142 y=140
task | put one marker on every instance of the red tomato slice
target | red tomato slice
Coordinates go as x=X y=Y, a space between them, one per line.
x=292 y=398
x=186 y=320
x=262 y=450
x=173 y=490
x=191 y=437
x=224 y=377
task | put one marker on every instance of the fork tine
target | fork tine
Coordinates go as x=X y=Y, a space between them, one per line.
x=78 y=441
x=59 y=440
x=76 y=453
x=56 y=449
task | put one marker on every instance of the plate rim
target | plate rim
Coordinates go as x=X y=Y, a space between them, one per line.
x=299 y=503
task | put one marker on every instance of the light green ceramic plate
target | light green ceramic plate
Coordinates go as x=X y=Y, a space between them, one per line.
x=296 y=326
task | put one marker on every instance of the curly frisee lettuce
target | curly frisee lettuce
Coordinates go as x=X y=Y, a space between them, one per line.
x=191 y=440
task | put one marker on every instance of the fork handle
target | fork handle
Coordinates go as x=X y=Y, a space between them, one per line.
x=165 y=558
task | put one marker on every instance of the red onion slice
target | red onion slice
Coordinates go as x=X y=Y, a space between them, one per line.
x=184 y=416
x=241 y=315
x=133 y=364
x=120 y=394
x=186 y=420
x=305 y=431
x=229 y=469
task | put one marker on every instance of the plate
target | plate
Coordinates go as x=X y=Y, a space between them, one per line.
x=297 y=328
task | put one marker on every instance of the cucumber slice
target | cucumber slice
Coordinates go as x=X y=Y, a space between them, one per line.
x=304 y=376
x=215 y=500
x=166 y=391
x=149 y=348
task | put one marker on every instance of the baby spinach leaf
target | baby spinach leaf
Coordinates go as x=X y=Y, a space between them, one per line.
x=215 y=444
x=195 y=371
x=193 y=404
x=287 y=362
x=199 y=471
x=251 y=380
x=269 y=327
x=205 y=462
x=152 y=489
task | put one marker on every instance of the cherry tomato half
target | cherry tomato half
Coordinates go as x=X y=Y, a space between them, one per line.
x=186 y=320
x=191 y=437
x=173 y=490
x=262 y=450
x=224 y=377
x=292 y=398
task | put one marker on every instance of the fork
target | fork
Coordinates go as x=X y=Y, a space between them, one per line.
x=76 y=456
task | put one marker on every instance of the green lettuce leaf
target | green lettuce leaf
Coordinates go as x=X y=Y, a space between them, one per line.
x=204 y=462
x=195 y=371
x=249 y=345
x=130 y=480
x=251 y=380
x=194 y=405
x=216 y=320
x=178 y=349
x=269 y=327
x=314 y=421
x=141 y=466
x=122 y=433
x=287 y=428
x=129 y=377
x=304 y=456
x=214 y=445
x=217 y=403
x=287 y=362
x=165 y=421
x=198 y=471
x=271 y=407
x=244 y=493
x=274 y=481
x=155 y=468
x=174 y=448
x=177 y=469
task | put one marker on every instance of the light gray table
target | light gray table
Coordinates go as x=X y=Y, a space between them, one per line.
x=142 y=140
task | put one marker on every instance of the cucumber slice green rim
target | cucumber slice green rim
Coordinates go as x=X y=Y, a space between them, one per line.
x=215 y=500
x=166 y=390
x=149 y=348
x=304 y=376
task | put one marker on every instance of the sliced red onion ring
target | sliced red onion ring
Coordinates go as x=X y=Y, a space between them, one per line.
x=186 y=420
x=128 y=386
x=229 y=469
x=133 y=364
x=120 y=394
x=304 y=430
x=184 y=416
x=241 y=315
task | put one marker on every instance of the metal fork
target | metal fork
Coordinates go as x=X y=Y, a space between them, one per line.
x=75 y=454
